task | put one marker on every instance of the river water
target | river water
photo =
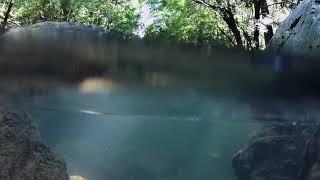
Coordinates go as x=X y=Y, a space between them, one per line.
x=108 y=131
x=158 y=113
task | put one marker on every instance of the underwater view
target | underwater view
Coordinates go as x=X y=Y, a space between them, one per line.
x=159 y=90
x=143 y=133
x=119 y=130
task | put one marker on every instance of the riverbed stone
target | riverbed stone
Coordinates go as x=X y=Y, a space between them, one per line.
x=285 y=151
x=23 y=154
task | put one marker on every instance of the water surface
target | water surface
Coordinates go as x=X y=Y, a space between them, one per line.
x=138 y=132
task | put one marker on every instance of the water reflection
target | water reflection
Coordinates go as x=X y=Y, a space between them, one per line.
x=96 y=85
x=77 y=178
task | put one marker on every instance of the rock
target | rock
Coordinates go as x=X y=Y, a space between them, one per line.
x=62 y=34
x=315 y=172
x=50 y=30
x=300 y=31
x=23 y=155
x=66 y=49
x=47 y=36
x=280 y=152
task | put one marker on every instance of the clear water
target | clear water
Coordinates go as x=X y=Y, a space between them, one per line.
x=143 y=133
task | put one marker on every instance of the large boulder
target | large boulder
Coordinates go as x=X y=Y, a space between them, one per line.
x=59 y=48
x=50 y=30
x=49 y=36
x=23 y=155
x=284 y=151
x=299 y=34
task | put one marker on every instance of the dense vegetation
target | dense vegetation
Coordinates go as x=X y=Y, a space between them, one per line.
x=248 y=24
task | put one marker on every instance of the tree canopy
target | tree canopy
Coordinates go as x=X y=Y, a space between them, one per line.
x=120 y=15
x=243 y=23
x=248 y=24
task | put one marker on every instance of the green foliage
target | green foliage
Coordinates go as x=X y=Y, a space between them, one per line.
x=121 y=16
x=185 y=22
x=32 y=11
x=202 y=21
x=196 y=22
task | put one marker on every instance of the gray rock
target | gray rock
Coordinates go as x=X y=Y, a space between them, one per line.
x=56 y=31
x=300 y=32
x=280 y=152
x=44 y=48
x=23 y=155
x=49 y=36
x=64 y=34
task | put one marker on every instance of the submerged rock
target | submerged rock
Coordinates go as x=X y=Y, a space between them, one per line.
x=300 y=32
x=286 y=151
x=23 y=155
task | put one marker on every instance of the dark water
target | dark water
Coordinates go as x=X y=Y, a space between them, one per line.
x=177 y=115
x=106 y=131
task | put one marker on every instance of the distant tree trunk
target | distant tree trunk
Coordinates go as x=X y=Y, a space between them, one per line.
x=65 y=7
x=265 y=12
x=6 y=17
x=268 y=35
x=257 y=7
x=248 y=39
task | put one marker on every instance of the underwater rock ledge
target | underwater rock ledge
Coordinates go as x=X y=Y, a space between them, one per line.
x=281 y=152
x=23 y=155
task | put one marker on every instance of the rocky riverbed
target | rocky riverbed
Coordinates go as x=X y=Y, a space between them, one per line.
x=23 y=154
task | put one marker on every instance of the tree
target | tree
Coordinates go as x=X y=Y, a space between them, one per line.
x=261 y=8
x=118 y=15
x=185 y=22
x=244 y=23
x=66 y=9
x=6 y=15
x=226 y=11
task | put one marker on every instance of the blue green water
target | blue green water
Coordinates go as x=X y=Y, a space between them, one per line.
x=143 y=133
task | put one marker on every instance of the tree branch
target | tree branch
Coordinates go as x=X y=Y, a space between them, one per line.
x=6 y=16
x=227 y=15
x=204 y=3
x=276 y=3
x=247 y=37
x=228 y=37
